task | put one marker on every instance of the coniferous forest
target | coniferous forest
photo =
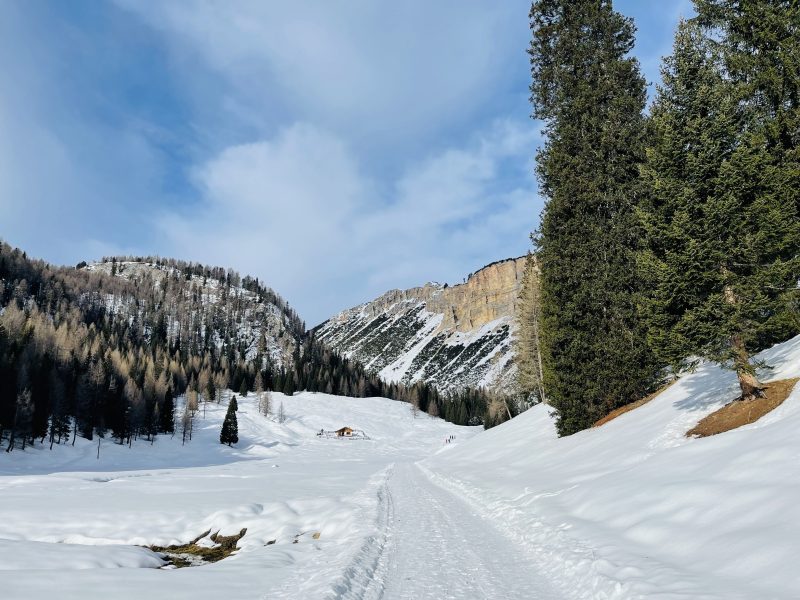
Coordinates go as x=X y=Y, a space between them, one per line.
x=667 y=233
x=107 y=350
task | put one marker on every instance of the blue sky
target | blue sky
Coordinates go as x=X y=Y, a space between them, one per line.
x=334 y=149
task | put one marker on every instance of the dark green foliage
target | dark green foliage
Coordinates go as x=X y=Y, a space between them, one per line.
x=723 y=181
x=466 y=407
x=230 y=426
x=243 y=389
x=591 y=96
x=759 y=42
x=167 y=413
x=692 y=133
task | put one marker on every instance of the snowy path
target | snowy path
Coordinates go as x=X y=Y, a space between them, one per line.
x=432 y=545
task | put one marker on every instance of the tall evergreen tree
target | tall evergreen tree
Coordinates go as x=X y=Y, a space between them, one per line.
x=167 y=413
x=692 y=132
x=722 y=257
x=591 y=95
x=759 y=42
x=230 y=426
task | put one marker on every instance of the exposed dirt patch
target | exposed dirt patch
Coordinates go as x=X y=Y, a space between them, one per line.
x=195 y=554
x=744 y=412
x=629 y=407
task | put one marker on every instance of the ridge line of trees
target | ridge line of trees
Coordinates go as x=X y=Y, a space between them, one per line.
x=106 y=351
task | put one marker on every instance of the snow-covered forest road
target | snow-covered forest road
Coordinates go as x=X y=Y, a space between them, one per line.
x=431 y=544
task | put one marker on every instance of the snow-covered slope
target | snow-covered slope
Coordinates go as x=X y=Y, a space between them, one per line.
x=635 y=509
x=450 y=336
x=253 y=321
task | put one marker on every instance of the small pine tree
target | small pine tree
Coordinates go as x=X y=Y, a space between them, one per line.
x=265 y=403
x=281 y=414
x=243 y=388
x=167 y=413
x=288 y=386
x=230 y=427
x=527 y=345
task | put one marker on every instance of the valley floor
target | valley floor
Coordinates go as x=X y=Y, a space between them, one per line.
x=632 y=509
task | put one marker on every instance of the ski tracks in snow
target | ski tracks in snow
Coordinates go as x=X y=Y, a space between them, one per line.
x=431 y=544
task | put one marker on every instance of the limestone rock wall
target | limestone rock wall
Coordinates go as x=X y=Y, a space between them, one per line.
x=450 y=336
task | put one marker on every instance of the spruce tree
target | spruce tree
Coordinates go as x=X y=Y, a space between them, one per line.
x=759 y=42
x=230 y=427
x=724 y=182
x=167 y=413
x=692 y=132
x=591 y=95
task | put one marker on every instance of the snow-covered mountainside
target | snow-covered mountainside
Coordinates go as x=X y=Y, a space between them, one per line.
x=449 y=336
x=251 y=318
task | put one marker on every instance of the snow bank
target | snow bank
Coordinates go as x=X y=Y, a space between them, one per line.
x=634 y=508
x=38 y=556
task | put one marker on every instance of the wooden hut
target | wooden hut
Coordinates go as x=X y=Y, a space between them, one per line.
x=344 y=432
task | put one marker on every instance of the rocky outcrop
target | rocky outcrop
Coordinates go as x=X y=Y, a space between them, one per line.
x=450 y=336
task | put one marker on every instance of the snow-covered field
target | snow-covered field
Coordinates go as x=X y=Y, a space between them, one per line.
x=633 y=509
x=70 y=524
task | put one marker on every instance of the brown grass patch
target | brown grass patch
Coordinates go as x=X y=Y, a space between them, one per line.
x=743 y=412
x=192 y=555
x=629 y=407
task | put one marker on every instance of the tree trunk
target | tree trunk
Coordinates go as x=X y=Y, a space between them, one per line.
x=748 y=382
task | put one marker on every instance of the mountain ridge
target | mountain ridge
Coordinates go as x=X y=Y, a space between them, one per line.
x=452 y=337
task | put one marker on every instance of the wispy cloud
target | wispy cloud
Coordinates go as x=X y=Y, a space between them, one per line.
x=372 y=71
x=300 y=211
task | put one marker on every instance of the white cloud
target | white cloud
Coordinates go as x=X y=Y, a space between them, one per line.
x=363 y=69
x=298 y=211
x=339 y=148
x=69 y=183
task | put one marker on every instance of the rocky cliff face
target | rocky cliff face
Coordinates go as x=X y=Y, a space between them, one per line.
x=450 y=336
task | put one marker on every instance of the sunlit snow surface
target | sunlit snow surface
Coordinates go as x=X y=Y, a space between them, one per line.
x=66 y=518
x=633 y=509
